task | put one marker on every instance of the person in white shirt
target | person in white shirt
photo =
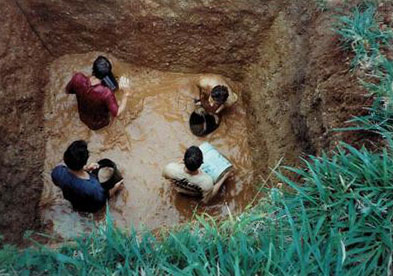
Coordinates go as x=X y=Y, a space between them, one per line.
x=187 y=177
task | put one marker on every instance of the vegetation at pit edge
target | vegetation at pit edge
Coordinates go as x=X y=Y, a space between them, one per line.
x=336 y=221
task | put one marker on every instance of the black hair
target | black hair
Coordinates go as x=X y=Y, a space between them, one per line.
x=76 y=155
x=220 y=94
x=102 y=69
x=193 y=158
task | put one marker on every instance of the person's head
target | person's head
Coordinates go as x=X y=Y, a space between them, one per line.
x=102 y=69
x=193 y=158
x=220 y=94
x=76 y=155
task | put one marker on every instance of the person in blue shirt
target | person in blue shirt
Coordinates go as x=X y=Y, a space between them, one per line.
x=78 y=184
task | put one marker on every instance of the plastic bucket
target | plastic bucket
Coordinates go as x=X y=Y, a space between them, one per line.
x=214 y=163
x=202 y=124
x=114 y=178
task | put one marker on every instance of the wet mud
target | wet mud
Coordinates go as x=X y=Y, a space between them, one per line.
x=151 y=132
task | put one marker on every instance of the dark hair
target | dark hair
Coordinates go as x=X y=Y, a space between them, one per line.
x=76 y=155
x=193 y=158
x=220 y=94
x=102 y=69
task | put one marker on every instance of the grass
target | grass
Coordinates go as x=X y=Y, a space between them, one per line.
x=362 y=34
x=336 y=220
x=321 y=5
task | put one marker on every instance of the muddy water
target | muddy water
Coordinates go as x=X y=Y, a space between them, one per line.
x=150 y=133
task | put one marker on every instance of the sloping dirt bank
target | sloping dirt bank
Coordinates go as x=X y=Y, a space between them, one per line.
x=297 y=86
x=22 y=80
x=301 y=89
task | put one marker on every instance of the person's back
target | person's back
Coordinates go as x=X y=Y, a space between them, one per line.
x=215 y=93
x=80 y=187
x=198 y=184
x=94 y=101
x=86 y=195
x=189 y=179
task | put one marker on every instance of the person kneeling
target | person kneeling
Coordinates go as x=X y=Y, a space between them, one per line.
x=189 y=179
x=78 y=184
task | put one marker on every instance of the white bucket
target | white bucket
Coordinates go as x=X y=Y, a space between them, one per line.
x=214 y=163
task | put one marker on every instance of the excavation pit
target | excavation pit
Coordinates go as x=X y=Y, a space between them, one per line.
x=294 y=81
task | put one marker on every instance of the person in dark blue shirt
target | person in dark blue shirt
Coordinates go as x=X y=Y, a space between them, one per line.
x=78 y=184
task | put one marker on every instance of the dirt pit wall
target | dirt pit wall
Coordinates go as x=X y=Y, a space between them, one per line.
x=283 y=53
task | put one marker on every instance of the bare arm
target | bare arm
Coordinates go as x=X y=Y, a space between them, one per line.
x=118 y=186
x=124 y=85
x=91 y=167
x=219 y=109
x=123 y=104
x=216 y=188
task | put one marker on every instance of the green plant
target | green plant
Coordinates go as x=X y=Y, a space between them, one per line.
x=335 y=220
x=361 y=34
x=321 y=5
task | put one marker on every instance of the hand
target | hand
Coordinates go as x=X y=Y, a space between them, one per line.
x=91 y=167
x=119 y=186
x=124 y=83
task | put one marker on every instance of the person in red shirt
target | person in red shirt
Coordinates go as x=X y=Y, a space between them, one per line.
x=96 y=100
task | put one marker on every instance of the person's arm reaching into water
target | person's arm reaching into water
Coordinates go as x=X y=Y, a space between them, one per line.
x=123 y=104
x=208 y=196
x=118 y=187
x=124 y=85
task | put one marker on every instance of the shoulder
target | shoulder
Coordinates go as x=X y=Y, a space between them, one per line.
x=60 y=169
x=60 y=175
x=173 y=170
x=78 y=77
x=204 y=181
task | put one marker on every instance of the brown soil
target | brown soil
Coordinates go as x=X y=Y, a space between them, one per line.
x=22 y=143
x=297 y=83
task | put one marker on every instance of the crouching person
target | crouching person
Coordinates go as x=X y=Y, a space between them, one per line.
x=78 y=184
x=189 y=179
